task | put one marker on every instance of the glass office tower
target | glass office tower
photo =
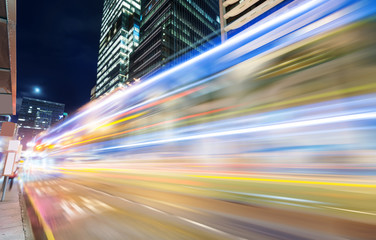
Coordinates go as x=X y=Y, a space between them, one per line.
x=36 y=116
x=119 y=37
x=173 y=31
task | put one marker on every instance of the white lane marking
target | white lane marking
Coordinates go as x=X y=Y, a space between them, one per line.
x=84 y=199
x=93 y=209
x=38 y=192
x=151 y=208
x=103 y=205
x=65 y=189
x=209 y=228
x=66 y=208
x=270 y=196
x=349 y=210
x=202 y=225
x=290 y=204
x=77 y=208
x=95 y=205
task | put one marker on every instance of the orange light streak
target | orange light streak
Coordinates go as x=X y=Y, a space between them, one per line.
x=153 y=125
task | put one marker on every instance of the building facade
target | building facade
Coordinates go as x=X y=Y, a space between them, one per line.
x=238 y=15
x=119 y=37
x=173 y=31
x=8 y=61
x=36 y=116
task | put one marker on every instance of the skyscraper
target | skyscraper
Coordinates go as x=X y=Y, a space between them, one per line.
x=173 y=31
x=119 y=37
x=238 y=15
x=36 y=116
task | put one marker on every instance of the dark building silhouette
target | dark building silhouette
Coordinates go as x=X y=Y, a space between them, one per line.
x=173 y=31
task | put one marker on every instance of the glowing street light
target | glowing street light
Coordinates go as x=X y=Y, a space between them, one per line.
x=37 y=90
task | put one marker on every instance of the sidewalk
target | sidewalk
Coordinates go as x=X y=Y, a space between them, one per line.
x=11 y=222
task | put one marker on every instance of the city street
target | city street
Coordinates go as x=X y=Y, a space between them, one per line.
x=188 y=119
x=119 y=203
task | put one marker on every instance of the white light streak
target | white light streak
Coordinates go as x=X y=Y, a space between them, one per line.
x=228 y=44
x=281 y=126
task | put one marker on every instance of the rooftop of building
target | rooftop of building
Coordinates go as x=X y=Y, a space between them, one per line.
x=44 y=101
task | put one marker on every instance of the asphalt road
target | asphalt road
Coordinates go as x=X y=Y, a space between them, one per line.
x=108 y=204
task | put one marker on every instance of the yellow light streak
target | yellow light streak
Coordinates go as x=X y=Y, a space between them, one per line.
x=286 y=181
x=109 y=124
x=121 y=120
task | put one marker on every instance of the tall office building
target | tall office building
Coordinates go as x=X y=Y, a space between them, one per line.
x=173 y=31
x=238 y=15
x=36 y=116
x=119 y=37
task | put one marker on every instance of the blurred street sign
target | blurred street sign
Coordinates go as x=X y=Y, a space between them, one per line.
x=9 y=164
x=14 y=145
x=8 y=129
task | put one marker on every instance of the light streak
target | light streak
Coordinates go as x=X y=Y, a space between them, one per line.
x=213 y=52
x=121 y=120
x=307 y=123
x=353 y=211
x=93 y=107
x=170 y=98
x=281 y=103
x=152 y=125
x=272 y=197
x=137 y=110
x=139 y=107
x=286 y=181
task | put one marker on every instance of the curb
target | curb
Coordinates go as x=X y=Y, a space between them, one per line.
x=39 y=227
x=28 y=231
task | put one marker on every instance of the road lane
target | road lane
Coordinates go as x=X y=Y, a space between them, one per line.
x=82 y=207
x=79 y=213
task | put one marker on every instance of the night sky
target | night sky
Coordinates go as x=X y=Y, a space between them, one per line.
x=57 y=49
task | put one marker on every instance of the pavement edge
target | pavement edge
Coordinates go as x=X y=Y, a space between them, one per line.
x=41 y=229
x=28 y=231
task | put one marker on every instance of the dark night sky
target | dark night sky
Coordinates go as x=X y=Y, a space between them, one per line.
x=57 y=49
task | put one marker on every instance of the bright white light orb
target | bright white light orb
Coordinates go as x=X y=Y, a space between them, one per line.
x=36 y=90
